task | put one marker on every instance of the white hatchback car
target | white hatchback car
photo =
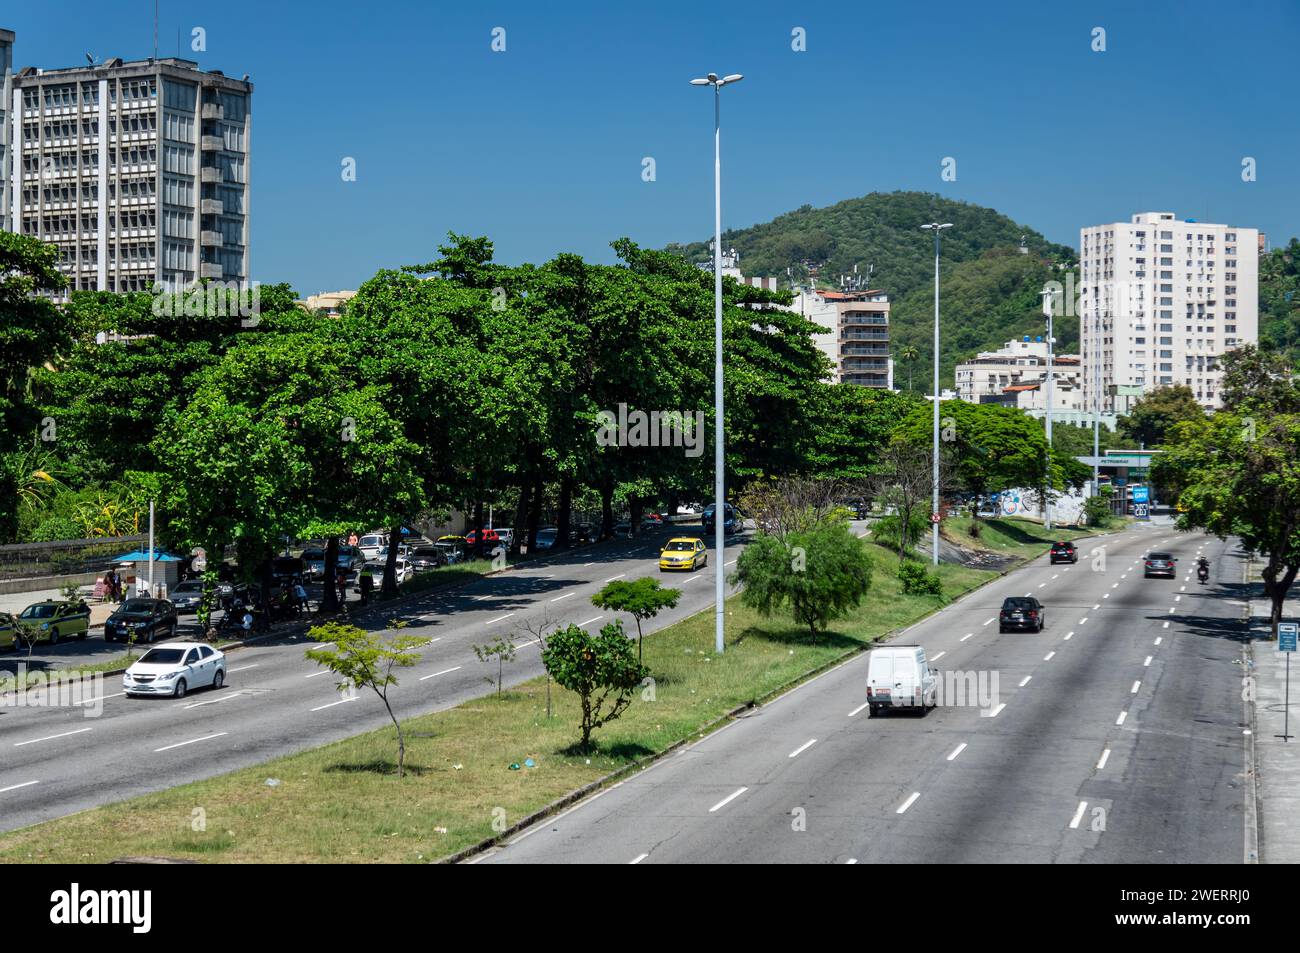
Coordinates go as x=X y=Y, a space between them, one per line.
x=175 y=668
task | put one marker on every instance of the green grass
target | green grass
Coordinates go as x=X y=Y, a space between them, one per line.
x=344 y=803
x=1009 y=536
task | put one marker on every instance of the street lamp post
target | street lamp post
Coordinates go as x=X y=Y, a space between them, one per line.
x=1049 y=299
x=719 y=460
x=936 y=227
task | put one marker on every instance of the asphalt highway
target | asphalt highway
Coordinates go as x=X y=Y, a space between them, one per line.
x=1115 y=736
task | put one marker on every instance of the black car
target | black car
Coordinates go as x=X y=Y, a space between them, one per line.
x=859 y=509
x=1064 y=552
x=148 y=619
x=1023 y=613
x=186 y=595
x=428 y=557
x=1161 y=564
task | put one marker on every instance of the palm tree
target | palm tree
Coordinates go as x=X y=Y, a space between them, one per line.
x=908 y=355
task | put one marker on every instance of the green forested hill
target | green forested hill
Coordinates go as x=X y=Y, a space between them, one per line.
x=989 y=290
x=1279 y=300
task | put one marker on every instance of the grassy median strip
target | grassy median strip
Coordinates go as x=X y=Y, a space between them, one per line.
x=1007 y=536
x=343 y=802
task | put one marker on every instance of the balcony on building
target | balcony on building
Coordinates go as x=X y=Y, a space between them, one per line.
x=211 y=143
x=212 y=207
x=210 y=269
x=213 y=111
x=210 y=239
x=210 y=173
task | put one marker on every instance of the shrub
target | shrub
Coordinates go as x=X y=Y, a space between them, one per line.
x=917 y=582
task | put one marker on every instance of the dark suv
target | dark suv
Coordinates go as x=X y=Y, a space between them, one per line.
x=1161 y=564
x=146 y=618
x=1023 y=613
x=1064 y=552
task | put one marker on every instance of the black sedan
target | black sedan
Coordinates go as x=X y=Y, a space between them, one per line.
x=1023 y=613
x=1064 y=552
x=144 y=618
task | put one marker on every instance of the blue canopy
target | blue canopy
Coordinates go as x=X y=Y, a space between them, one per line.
x=143 y=557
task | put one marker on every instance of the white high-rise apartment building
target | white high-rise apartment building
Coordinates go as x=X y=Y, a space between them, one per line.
x=6 y=97
x=1161 y=301
x=137 y=171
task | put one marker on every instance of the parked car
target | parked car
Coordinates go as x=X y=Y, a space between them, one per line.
x=546 y=537
x=289 y=568
x=402 y=570
x=372 y=544
x=730 y=524
x=174 y=669
x=427 y=557
x=491 y=539
x=622 y=530
x=507 y=535
x=452 y=552
x=1024 y=613
x=1064 y=552
x=351 y=559
x=858 y=509
x=898 y=676
x=146 y=618
x=683 y=552
x=52 y=620
x=186 y=596
x=1161 y=564
x=313 y=563
x=8 y=632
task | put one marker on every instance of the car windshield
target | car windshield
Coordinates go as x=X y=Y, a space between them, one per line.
x=424 y=552
x=163 y=657
x=1018 y=604
x=38 y=612
x=314 y=555
x=373 y=541
x=1065 y=545
x=194 y=586
x=137 y=605
x=1160 y=556
x=680 y=545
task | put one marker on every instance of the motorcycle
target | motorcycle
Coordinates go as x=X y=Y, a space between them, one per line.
x=1203 y=573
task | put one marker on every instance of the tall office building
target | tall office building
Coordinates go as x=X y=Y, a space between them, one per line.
x=137 y=171
x=1161 y=302
x=6 y=97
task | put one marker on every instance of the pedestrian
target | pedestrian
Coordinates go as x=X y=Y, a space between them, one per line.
x=343 y=585
x=367 y=586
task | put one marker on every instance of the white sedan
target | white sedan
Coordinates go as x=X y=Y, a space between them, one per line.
x=175 y=668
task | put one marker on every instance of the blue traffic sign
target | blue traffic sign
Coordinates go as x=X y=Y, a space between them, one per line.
x=1141 y=494
x=1286 y=636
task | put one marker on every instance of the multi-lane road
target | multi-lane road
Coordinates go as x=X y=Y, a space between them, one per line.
x=1117 y=735
x=57 y=760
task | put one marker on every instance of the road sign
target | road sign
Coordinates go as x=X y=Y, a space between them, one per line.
x=934 y=517
x=1286 y=636
x=1286 y=639
x=1141 y=494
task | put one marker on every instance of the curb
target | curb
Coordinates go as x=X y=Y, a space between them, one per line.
x=708 y=728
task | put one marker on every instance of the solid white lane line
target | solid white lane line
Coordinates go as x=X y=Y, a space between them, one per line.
x=591 y=620
x=425 y=678
x=966 y=636
x=1147 y=663
x=693 y=578
x=619 y=576
x=1078 y=815
x=1120 y=719
x=19 y=744
x=858 y=709
x=938 y=656
x=958 y=750
x=215 y=701
x=638 y=858
x=1024 y=681
x=909 y=802
x=500 y=618
x=994 y=712
x=92 y=701
x=728 y=799
x=192 y=741
x=802 y=748
x=990 y=620
x=565 y=596
x=15 y=787
x=730 y=562
x=1136 y=686
x=323 y=671
x=585 y=565
x=342 y=701
x=242 y=668
x=1101 y=762
x=1048 y=656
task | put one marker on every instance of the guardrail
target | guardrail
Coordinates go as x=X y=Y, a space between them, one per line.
x=63 y=557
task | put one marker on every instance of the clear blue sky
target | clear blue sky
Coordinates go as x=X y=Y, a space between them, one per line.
x=540 y=147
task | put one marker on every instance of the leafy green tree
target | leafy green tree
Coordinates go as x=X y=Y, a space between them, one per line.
x=820 y=574
x=503 y=650
x=1237 y=473
x=916 y=581
x=992 y=448
x=641 y=598
x=1154 y=416
x=908 y=354
x=363 y=660
x=852 y=427
x=599 y=669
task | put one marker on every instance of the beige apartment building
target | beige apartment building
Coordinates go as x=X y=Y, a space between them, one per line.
x=1162 y=300
x=138 y=172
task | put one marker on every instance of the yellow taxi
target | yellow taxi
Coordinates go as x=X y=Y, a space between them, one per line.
x=683 y=552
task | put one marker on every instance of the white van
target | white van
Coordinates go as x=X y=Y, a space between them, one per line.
x=899 y=677
x=372 y=544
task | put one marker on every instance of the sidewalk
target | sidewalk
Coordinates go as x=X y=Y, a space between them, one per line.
x=16 y=602
x=1277 y=762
